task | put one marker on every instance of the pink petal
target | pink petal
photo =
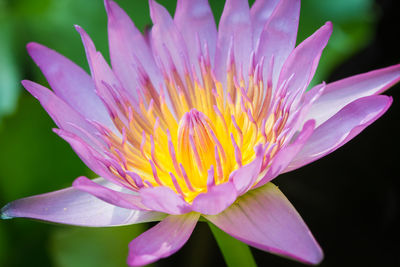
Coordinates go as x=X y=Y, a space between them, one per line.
x=164 y=199
x=300 y=111
x=278 y=38
x=303 y=61
x=163 y=240
x=166 y=40
x=234 y=25
x=244 y=177
x=120 y=199
x=195 y=20
x=265 y=219
x=89 y=156
x=127 y=45
x=63 y=115
x=71 y=206
x=217 y=199
x=71 y=83
x=286 y=155
x=260 y=12
x=101 y=71
x=340 y=93
x=341 y=128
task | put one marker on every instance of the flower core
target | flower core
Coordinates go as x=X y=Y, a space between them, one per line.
x=196 y=132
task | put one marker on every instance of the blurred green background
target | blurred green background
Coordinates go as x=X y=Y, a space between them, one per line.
x=34 y=160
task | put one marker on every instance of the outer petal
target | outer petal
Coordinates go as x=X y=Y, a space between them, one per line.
x=260 y=12
x=235 y=25
x=194 y=19
x=286 y=155
x=63 y=115
x=70 y=83
x=217 y=199
x=162 y=240
x=303 y=61
x=93 y=159
x=278 y=38
x=296 y=119
x=341 y=128
x=127 y=46
x=265 y=219
x=120 y=199
x=340 y=93
x=71 y=206
x=164 y=199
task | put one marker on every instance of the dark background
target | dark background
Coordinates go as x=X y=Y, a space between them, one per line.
x=349 y=199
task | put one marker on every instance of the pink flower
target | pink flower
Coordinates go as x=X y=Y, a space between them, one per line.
x=191 y=122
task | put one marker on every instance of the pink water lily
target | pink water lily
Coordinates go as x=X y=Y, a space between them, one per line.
x=193 y=122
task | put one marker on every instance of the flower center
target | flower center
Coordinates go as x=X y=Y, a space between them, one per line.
x=196 y=146
x=193 y=133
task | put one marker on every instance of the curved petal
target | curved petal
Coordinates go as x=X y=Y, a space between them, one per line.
x=119 y=199
x=235 y=25
x=164 y=199
x=103 y=77
x=265 y=219
x=303 y=61
x=340 y=93
x=163 y=240
x=72 y=206
x=91 y=158
x=298 y=113
x=166 y=40
x=70 y=83
x=244 y=177
x=278 y=38
x=341 y=128
x=194 y=19
x=260 y=12
x=127 y=46
x=62 y=114
x=286 y=155
x=215 y=200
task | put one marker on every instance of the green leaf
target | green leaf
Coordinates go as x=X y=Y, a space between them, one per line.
x=92 y=247
x=37 y=160
x=235 y=252
x=9 y=73
x=3 y=247
x=353 y=26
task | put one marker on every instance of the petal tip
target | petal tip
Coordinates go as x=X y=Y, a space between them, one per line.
x=152 y=8
x=32 y=87
x=111 y=8
x=77 y=27
x=3 y=213
x=390 y=100
x=26 y=83
x=32 y=47
x=328 y=27
x=80 y=30
x=107 y=6
x=329 y=24
x=316 y=258
x=79 y=181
